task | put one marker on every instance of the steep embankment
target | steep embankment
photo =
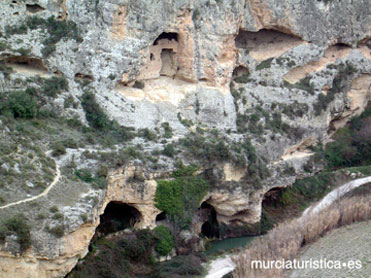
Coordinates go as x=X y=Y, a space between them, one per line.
x=345 y=244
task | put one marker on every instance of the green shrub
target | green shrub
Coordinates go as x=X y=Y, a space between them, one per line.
x=338 y=86
x=168 y=132
x=264 y=64
x=302 y=84
x=147 y=134
x=55 y=85
x=351 y=145
x=21 y=105
x=58 y=149
x=165 y=241
x=99 y=121
x=84 y=175
x=180 y=197
x=58 y=230
x=244 y=78
x=56 y=29
x=98 y=182
x=17 y=225
x=169 y=150
x=181 y=267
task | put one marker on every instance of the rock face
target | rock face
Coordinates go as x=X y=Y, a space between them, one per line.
x=244 y=68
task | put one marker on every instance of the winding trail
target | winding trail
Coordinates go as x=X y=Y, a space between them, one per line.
x=42 y=194
x=333 y=196
x=221 y=266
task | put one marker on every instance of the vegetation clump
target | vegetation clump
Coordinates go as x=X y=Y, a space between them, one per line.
x=100 y=122
x=180 y=197
x=264 y=64
x=338 y=86
x=57 y=30
x=17 y=225
x=20 y=104
x=352 y=144
x=165 y=241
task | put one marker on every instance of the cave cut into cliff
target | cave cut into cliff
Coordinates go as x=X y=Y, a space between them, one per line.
x=162 y=58
x=210 y=226
x=265 y=43
x=117 y=216
x=26 y=65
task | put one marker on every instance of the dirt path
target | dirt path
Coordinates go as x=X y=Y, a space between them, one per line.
x=44 y=193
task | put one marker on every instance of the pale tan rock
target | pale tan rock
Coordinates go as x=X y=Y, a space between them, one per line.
x=118 y=26
x=331 y=55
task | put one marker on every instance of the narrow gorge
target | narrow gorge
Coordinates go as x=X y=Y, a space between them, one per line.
x=135 y=132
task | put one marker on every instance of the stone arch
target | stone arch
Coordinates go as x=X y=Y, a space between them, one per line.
x=118 y=216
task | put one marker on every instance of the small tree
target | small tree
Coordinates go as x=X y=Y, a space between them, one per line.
x=22 y=105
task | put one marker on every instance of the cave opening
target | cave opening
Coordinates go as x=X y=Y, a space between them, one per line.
x=168 y=63
x=117 y=216
x=272 y=198
x=240 y=74
x=24 y=61
x=266 y=43
x=210 y=226
x=166 y=36
x=161 y=218
x=34 y=8
x=276 y=208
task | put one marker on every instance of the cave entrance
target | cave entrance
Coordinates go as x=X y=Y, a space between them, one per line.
x=210 y=227
x=240 y=74
x=168 y=63
x=275 y=209
x=117 y=217
x=169 y=36
x=162 y=59
x=272 y=198
x=161 y=218
x=23 y=61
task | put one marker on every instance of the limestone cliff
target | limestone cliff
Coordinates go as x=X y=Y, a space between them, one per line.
x=282 y=75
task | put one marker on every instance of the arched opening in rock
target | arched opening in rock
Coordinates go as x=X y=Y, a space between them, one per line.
x=240 y=74
x=161 y=218
x=166 y=36
x=272 y=197
x=210 y=226
x=162 y=59
x=84 y=77
x=266 y=43
x=341 y=46
x=117 y=217
x=26 y=65
x=34 y=8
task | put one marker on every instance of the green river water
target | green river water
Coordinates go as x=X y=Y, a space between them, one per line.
x=220 y=246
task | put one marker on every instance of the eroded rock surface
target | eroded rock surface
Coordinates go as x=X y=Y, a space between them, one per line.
x=196 y=65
